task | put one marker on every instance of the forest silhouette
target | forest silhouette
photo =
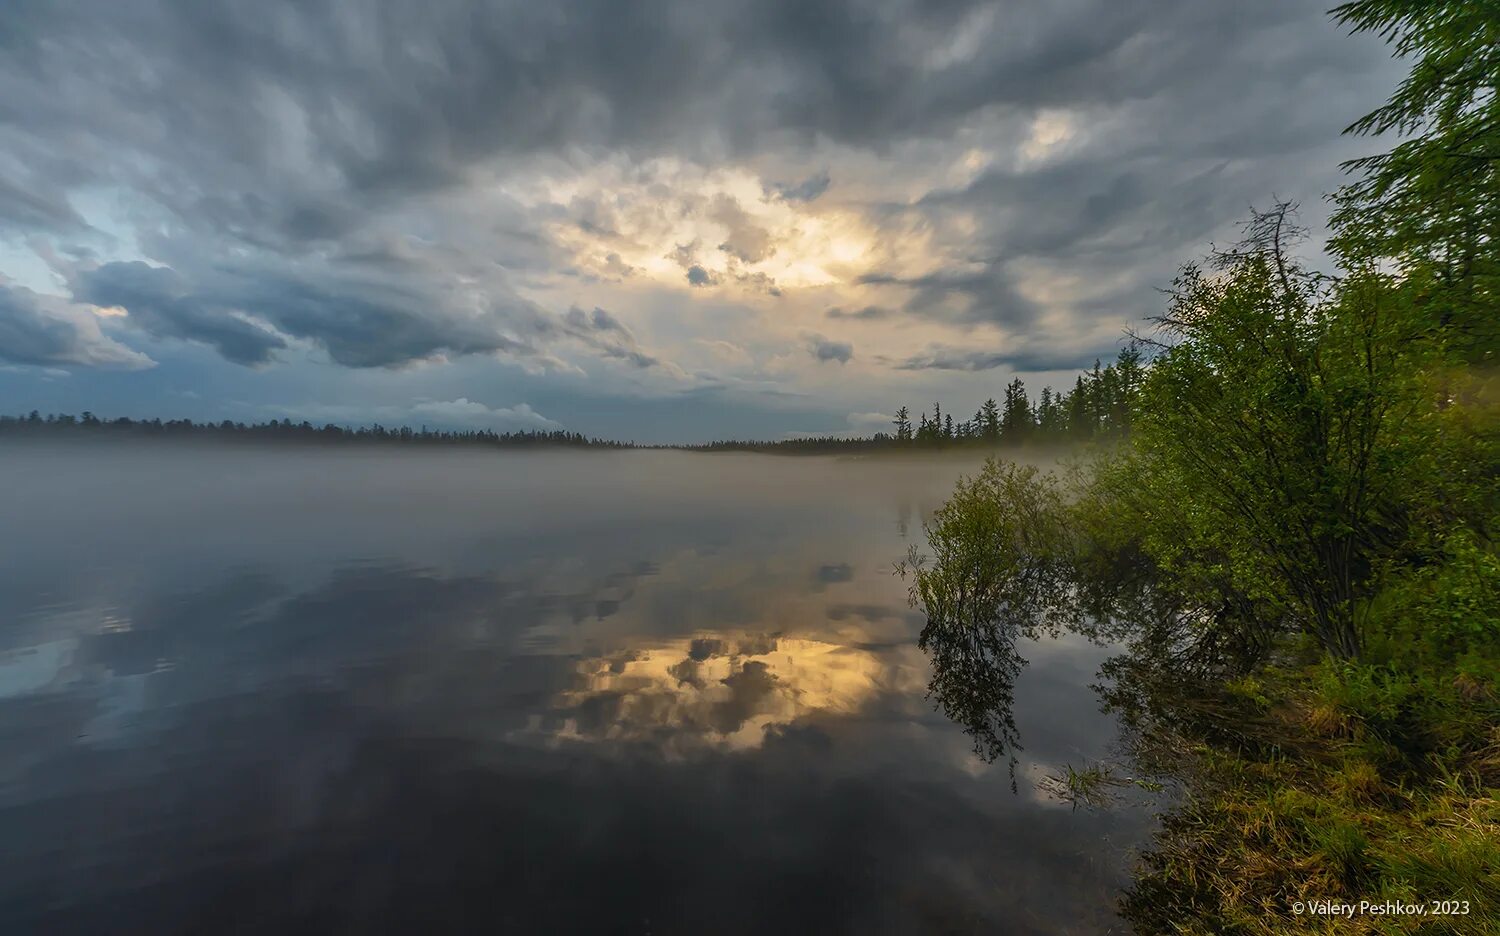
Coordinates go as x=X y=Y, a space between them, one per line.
x=1096 y=409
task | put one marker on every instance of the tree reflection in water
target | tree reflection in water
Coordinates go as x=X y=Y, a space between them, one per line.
x=974 y=669
x=994 y=574
x=1003 y=564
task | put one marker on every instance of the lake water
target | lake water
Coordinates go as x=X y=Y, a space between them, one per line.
x=387 y=691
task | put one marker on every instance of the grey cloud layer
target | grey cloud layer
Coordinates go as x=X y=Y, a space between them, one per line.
x=34 y=335
x=359 y=324
x=398 y=96
x=297 y=170
x=163 y=303
x=1023 y=359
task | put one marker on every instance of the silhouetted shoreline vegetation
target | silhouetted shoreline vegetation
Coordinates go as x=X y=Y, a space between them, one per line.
x=1095 y=410
x=88 y=426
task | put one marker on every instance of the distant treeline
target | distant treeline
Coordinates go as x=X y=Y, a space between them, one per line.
x=1098 y=407
x=283 y=430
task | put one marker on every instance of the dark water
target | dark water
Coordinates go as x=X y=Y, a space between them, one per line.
x=289 y=691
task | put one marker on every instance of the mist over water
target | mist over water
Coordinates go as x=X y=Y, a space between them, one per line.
x=303 y=690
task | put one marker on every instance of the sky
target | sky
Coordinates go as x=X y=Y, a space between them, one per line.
x=660 y=221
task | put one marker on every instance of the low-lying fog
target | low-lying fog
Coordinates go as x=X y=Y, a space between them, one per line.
x=387 y=690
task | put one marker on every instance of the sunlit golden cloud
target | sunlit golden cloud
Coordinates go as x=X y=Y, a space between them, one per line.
x=656 y=221
x=726 y=689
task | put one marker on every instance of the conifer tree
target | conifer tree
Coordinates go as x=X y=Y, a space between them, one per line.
x=903 y=425
x=991 y=418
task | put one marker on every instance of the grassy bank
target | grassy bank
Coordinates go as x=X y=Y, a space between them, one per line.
x=1314 y=781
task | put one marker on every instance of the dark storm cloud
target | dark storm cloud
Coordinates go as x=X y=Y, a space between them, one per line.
x=608 y=335
x=356 y=327
x=401 y=97
x=868 y=313
x=1114 y=215
x=598 y=320
x=961 y=296
x=360 y=322
x=1021 y=360
x=825 y=350
x=387 y=97
x=269 y=149
x=31 y=334
x=805 y=191
x=28 y=336
x=638 y=358
x=162 y=302
x=361 y=329
x=29 y=207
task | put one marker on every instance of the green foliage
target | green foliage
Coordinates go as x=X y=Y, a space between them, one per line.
x=995 y=574
x=1016 y=420
x=1092 y=786
x=1100 y=407
x=1446 y=610
x=1324 y=808
x=1433 y=201
x=1296 y=540
x=989 y=416
x=1280 y=440
x=997 y=550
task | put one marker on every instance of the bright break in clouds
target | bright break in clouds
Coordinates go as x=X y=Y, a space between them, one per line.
x=650 y=220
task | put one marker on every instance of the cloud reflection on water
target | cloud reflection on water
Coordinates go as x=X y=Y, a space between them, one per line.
x=728 y=690
x=235 y=711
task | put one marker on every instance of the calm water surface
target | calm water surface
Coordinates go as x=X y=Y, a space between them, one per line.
x=270 y=691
